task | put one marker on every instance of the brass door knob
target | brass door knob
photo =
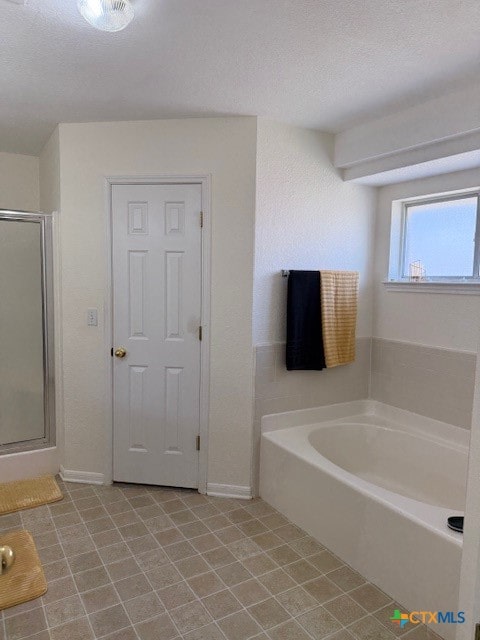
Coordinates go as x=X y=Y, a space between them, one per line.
x=121 y=352
x=7 y=556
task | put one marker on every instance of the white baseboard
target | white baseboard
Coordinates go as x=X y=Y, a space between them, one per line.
x=84 y=477
x=229 y=491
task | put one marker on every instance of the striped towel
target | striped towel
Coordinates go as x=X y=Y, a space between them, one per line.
x=339 y=295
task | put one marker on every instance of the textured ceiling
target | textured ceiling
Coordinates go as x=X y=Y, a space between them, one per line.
x=325 y=64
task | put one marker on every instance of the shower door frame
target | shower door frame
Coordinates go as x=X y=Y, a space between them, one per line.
x=46 y=252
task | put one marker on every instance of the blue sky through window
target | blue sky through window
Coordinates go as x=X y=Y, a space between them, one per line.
x=441 y=235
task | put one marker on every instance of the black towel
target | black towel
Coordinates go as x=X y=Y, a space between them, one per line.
x=304 y=322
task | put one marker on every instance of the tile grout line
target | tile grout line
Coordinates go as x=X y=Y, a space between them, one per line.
x=229 y=589
x=112 y=583
x=170 y=561
x=71 y=572
x=145 y=573
x=26 y=526
x=184 y=580
x=141 y=572
x=254 y=513
x=105 y=566
x=116 y=527
x=42 y=603
x=274 y=596
x=87 y=615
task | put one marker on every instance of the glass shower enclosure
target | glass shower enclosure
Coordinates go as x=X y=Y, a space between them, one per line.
x=27 y=408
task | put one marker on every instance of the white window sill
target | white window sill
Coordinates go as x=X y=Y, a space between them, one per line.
x=464 y=288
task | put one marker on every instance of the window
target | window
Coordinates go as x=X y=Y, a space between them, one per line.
x=436 y=239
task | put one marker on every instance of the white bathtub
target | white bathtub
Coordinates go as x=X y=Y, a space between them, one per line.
x=375 y=485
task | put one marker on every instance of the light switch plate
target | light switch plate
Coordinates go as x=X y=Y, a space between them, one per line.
x=92 y=317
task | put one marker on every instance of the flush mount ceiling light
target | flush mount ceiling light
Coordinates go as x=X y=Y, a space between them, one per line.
x=107 y=15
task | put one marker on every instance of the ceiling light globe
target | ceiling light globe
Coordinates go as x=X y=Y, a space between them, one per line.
x=107 y=15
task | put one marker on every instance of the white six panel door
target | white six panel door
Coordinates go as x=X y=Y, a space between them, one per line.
x=156 y=317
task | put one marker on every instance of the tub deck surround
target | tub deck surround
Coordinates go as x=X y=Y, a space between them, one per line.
x=375 y=484
x=142 y=563
x=278 y=390
x=20 y=465
x=430 y=381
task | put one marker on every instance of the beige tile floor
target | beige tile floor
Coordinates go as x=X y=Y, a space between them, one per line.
x=130 y=562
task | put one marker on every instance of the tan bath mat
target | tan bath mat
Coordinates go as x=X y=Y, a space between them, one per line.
x=25 y=580
x=25 y=494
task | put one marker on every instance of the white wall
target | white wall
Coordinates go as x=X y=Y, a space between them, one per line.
x=307 y=218
x=49 y=172
x=19 y=182
x=438 y=320
x=224 y=147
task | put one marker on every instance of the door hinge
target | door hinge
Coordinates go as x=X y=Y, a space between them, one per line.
x=200 y=332
x=201 y=219
x=197 y=443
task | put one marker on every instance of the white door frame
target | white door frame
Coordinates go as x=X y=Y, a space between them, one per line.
x=205 y=181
